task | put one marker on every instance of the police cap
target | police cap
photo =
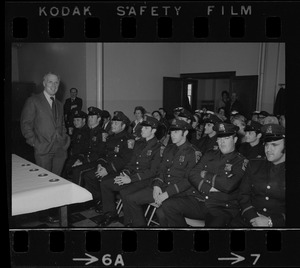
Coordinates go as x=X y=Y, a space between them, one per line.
x=212 y=118
x=150 y=121
x=253 y=126
x=186 y=114
x=79 y=114
x=120 y=116
x=105 y=114
x=225 y=129
x=94 y=111
x=178 y=124
x=273 y=132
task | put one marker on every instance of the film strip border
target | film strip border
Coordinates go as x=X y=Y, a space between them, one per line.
x=151 y=21
x=155 y=247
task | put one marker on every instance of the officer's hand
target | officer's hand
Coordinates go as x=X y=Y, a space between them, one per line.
x=162 y=197
x=203 y=173
x=77 y=163
x=122 y=179
x=260 y=221
x=156 y=191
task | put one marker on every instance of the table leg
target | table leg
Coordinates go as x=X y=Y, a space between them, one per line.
x=63 y=216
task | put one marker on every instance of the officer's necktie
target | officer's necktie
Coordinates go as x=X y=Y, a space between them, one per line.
x=54 y=109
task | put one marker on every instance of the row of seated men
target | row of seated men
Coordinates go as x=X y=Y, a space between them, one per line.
x=206 y=178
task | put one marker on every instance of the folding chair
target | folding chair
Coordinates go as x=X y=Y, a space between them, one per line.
x=152 y=206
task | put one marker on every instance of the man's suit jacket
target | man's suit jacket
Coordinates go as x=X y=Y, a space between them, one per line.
x=39 y=127
x=68 y=105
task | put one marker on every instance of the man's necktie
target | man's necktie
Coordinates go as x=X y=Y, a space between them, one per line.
x=54 y=109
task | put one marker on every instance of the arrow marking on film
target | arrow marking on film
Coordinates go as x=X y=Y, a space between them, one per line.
x=235 y=259
x=90 y=260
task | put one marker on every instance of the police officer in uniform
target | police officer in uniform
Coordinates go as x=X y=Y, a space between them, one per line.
x=172 y=180
x=95 y=148
x=218 y=175
x=262 y=191
x=79 y=141
x=253 y=146
x=117 y=154
x=137 y=174
x=209 y=140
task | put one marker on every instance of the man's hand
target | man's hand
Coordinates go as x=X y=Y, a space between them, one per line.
x=260 y=221
x=156 y=192
x=122 y=179
x=161 y=198
x=101 y=171
x=77 y=163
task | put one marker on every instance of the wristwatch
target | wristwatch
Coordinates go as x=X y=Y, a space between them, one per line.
x=270 y=223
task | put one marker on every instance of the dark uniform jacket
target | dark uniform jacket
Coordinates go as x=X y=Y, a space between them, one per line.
x=79 y=141
x=117 y=154
x=145 y=161
x=224 y=172
x=95 y=148
x=175 y=167
x=206 y=143
x=70 y=106
x=263 y=191
x=251 y=152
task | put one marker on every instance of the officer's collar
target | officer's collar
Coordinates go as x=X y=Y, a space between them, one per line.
x=183 y=145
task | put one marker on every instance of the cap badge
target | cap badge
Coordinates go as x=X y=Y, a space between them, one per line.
x=221 y=127
x=269 y=130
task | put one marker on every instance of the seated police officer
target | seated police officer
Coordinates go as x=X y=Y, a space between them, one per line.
x=95 y=146
x=172 y=180
x=116 y=155
x=253 y=146
x=262 y=191
x=218 y=175
x=137 y=174
x=79 y=141
x=209 y=140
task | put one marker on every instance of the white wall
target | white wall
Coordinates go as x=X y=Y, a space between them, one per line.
x=65 y=59
x=133 y=74
x=219 y=57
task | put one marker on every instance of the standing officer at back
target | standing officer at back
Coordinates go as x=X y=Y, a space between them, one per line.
x=95 y=148
x=262 y=191
x=217 y=176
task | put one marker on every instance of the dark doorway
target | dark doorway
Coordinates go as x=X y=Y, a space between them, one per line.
x=179 y=92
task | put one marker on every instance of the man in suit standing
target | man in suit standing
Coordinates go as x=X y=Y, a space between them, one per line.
x=42 y=125
x=71 y=104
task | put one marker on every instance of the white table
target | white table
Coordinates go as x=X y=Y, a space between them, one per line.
x=35 y=188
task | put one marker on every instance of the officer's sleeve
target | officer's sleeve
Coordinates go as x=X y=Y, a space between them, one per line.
x=245 y=192
x=159 y=178
x=278 y=220
x=195 y=178
x=119 y=162
x=152 y=170
x=27 y=121
x=183 y=184
x=227 y=181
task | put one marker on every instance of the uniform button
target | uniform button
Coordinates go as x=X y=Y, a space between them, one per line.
x=264 y=209
x=137 y=168
x=206 y=197
x=226 y=172
x=167 y=160
x=205 y=166
x=268 y=187
x=194 y=192
x=168 y=169
x=168 y=182
x=137 y=163
x=169 y=175
x=267 y=198
x=226 y=205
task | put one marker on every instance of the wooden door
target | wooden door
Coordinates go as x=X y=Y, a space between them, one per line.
x=246 y=89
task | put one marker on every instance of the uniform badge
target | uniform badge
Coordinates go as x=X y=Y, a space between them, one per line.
x=216 y=147
x=117 y=149
x=181 y=158
x=259 y=156
x=221 y=127
x=78 y=136
x=245 y=164
x=162 y=148
x=149 y=152
x=94 y=139
x=228 y=167
x=198 y=155
x=269 y=130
